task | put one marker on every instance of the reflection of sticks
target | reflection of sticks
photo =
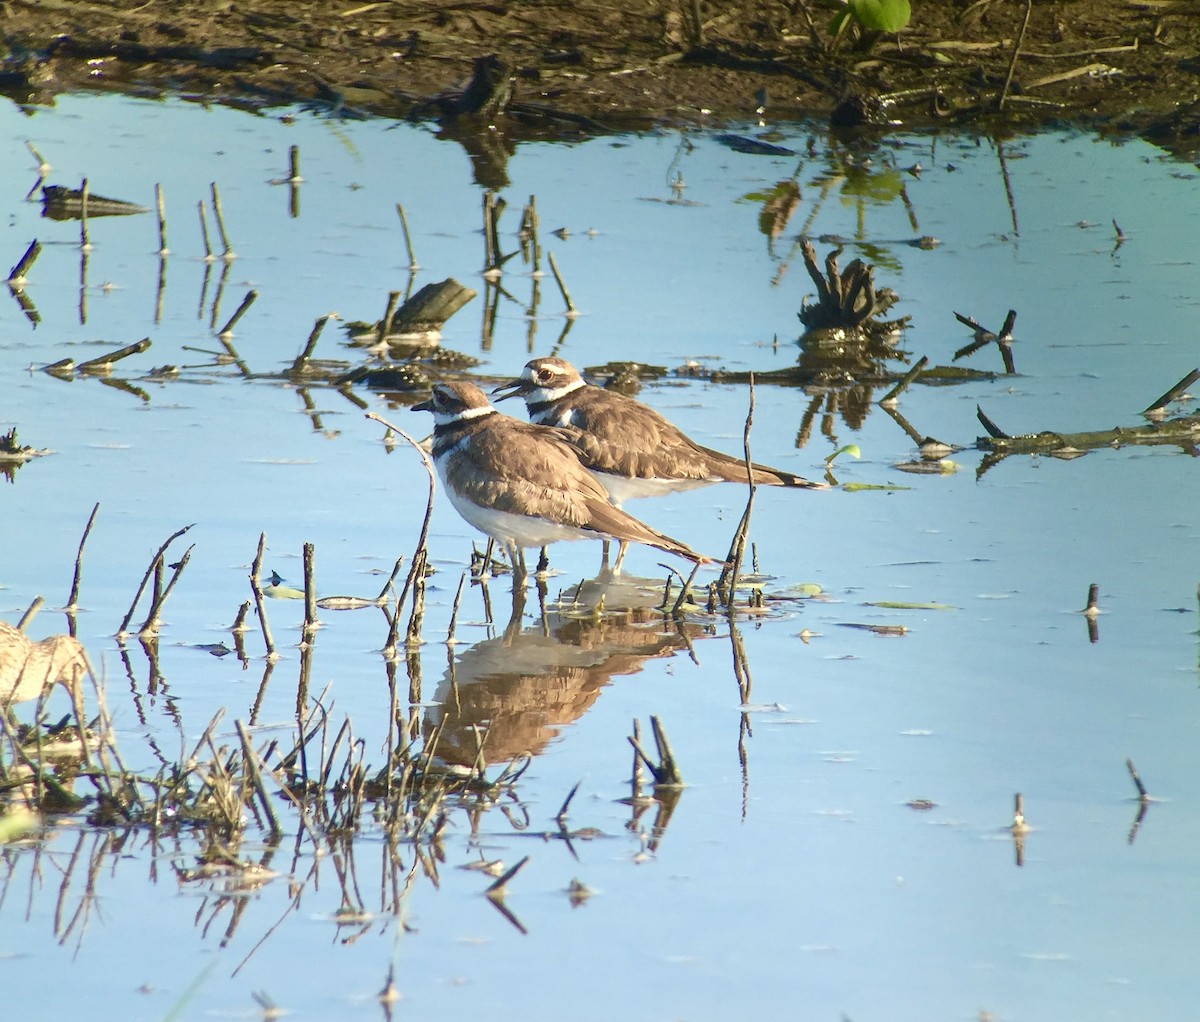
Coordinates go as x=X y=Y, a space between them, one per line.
x=73 y=599
x=412 y=259
x=1174 y=394
x=16 y=275
x=227 y=329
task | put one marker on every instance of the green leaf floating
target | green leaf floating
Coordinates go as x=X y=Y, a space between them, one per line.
x=881 y=15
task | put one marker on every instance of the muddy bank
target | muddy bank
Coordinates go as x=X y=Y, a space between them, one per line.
x=557 y=69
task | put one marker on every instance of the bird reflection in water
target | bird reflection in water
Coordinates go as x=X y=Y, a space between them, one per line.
x=514 y=692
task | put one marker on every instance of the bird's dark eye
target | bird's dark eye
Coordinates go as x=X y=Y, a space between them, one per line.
x=544 y=375
x=439 y=396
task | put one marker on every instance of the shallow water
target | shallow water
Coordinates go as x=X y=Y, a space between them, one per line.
x=792 y=880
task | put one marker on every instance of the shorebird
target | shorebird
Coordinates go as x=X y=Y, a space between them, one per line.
x=523 y=484
x=632 y=450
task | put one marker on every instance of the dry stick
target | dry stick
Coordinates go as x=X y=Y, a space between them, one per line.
x=73 y=599
x=42 y=166
x=30 y=613
x=571 y=310
x=412 y=259
x=154 y=562
x=239 y=622
x=160 y=206
x=1012 y=66
x=227 y=329
x=685 y=592
x=389 y=314
x=1143 y=794
x=310 y=597
x=229 y=254
x=733 y=560
x=1174 y=393
x=208 y=253
x=1019 y=826
x=1093 y=594
x=102 y=363
x=17 y=274
x=150 y=625
x=450 y=640
x=420 y=563
x=903 y=385
x=387 y=586
x=256 y=589
x=489 y=244
x=301 y=363
x=250 y=759
x=294 y=165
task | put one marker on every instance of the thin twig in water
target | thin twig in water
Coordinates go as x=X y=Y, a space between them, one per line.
x=412 y=259
x=571 y=310
x=155 y=561
x=1012 y=67
x=228 y=255
x=256 y=589
x=73 y=599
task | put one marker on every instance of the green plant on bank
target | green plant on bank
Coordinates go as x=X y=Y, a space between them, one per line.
x=869 y=20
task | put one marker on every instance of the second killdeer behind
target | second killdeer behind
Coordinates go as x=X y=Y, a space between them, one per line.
x=523 y=484
x=632 y=449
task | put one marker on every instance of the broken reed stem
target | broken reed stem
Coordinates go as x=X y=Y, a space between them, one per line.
x=685 y=591
x=310 y=596
x=418 y=554
x=30 y=613
x=228 y=254
x=250 y=760
x=1092 y=608
x=903 y=385
x=727 y=583
x=256 y=589
x=389 y=314
x=1143 y=794
x=383 y=593
x=17 y=273
x=412 y=259
x=102 y=363
x=227 y=329
x=489 y=242
x=239 y=622
x=160 y=207
x=1012 y=66
x=294 y=165
x=462 y=581
x=208 y=253
x=531 y=225
x=1019 y=826
x=412 y=636
x=155 y=562
x=301 y=363
x=1174 y=393
x=151 y=624
x=42 y=166
x=73 y=599
x=84 y=243
x=561 y=286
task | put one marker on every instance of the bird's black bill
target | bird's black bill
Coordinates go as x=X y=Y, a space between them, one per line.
x=513 y=388
x=423 y=406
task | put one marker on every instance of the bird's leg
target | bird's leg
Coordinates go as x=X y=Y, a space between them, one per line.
x=543 y=564
x=622 y=547
x=516 y=557
x=604 y=555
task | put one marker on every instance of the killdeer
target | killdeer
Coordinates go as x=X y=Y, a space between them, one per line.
x=523 y=484
x=633 y=450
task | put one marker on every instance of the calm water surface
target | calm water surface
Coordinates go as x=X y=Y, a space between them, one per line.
x=791 y=880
